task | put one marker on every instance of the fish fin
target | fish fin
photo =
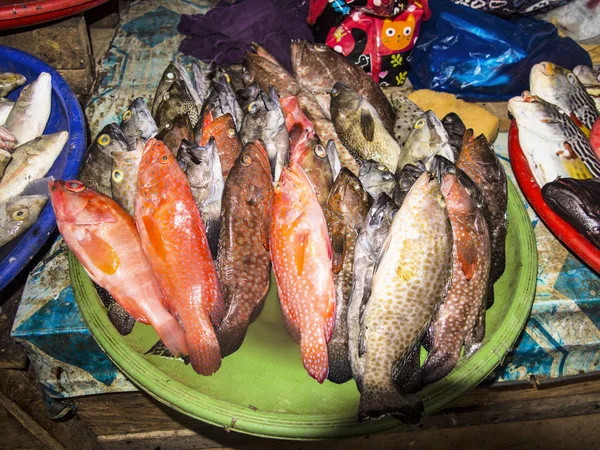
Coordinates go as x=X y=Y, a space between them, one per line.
x=121 y=319
x=314 y=352
x=367 y=124
x=376 y=402
x=37 y=187
x=580 y=125
x=338 y=247
x=490 y=296
x=475 y=335
x=467 y=252
x=202 y=344
x=439 y=362
x=100 y=252
x=334 y=158
x=172 y=335
x=382 y=251
x=300 y=251
x=105 y=297
x=264 y=234
x=406 y=373
x=154 y=236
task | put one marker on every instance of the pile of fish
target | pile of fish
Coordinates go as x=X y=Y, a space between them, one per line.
x=385 y=229
x=559 y=133
x=26 y=154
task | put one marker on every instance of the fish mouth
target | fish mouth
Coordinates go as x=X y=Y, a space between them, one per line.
x=544 y=68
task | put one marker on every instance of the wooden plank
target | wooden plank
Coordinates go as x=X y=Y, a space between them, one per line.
x=14 y=434
x=12 y=355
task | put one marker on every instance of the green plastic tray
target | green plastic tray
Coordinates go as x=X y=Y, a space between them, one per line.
x=263 y=389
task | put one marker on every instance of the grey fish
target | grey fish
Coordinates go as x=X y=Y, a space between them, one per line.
x=409 y=174
x=203 y=170
x=334 y=158
x=29 y=116
x=577 y=202
x=407 y=113
x=373 y=232
x=10 y=81
x=5 y=158
x=247 y=96
x=590 y=79
x=222 y=100
x=458 y=315
x=18 y=214
x=346 y=208
x=455 y=128
x=137 y=123
x=202 y=78
x=169 y=76
x=31 y=161
x=560 y=86
x=123 y=178
x=376 y=179
x=410 y=280
x=427 y=139
x=265 y=121
x=176 y=101
x=360 y=129
x=97 y=168
x=6 y=107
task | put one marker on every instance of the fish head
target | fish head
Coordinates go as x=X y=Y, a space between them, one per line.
x=169 y=76
x=77 y=205
x=538 y=115
x=453 y=124
x=373 y=175
x=551 y=81
x=40 y=87
x=222 y=128
x=587 y=75
x=156 y=167
x=248 y=95
x=262 y=68
x=180 y=125
x=10 y=80
x=137 y=121
x=256 y=170
x=24 y=210
x=109 y=140
x=198 y=162
x=307 y=56
x=344 y=101
x=578 y=197
x=294 y=189
x=457 y=197
x=425 y=135
x=348 y=198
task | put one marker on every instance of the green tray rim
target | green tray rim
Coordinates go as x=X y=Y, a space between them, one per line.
x=436 y=396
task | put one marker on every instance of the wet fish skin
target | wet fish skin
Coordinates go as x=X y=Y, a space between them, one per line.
x=174 y=132
x=301 y=257
x=6 y=107
x=590 y=79
x=478 y=160
x=118 y=316
x=169 y=76
x=376 y=179
x=334 y=158
x=97 y=169
x=5 y=158
x=203 y=76
x=410 y=280
x=455 y=128
x=31 y=161
x=176 y=101
x=318 y=68
x=406 y=178
x=18 y=214
x=427 y=139
x=373 y=232
x=265 y=121
x=30 y=113
x=576 y=201
x=105 y=240
x=137 y=123
x=174 y=241
x=202 y=168
x=560 y=86
x=471 y=258
x=360 y=129
x=407 y=113
x=313 y=159
x=243 y=260
x=8 y=141
x=223 y=100
x=227 y=140
x=9 y=82
x=123 y=178
x=346 y=208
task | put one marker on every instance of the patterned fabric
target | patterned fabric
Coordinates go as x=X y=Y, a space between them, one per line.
x=511 y=8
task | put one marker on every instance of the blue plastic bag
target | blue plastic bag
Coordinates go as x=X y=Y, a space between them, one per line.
x=477 y=56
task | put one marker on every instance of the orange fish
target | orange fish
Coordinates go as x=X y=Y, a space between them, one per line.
x=298 y=125
x=226 y=137
x=301 y=256
x=104 y=239
x=174 y=240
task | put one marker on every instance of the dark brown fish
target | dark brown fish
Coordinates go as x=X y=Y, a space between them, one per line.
x=175 y=101
x=176 y=131
x=318 y=68
x=478 y=160
x=458 y=315
x=347 y=207
x=243 y=261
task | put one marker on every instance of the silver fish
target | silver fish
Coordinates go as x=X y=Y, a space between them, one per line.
x=137 y=123
x=376 y=179
x=5 y=158
x=10 y=81
x=427 y=139
x=7 y=140
x=334 y=158
x=407 y=113
x=222 y=100
x=18 y=214
x=6 y=107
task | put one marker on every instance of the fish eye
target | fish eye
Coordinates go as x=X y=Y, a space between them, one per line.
x=355 y=186
x=571 y=78
x=104 y=140
x=450 y=170
x=320 y=151
x=231 y=132
x=381 y=168
x=252 y=107
x=247 y=78
x=74 y=186
x=419 y=124
x=168 y=126
x=405 y=184
x=170 y=76
x=127 y=115
x=387 y=176
x=166 y=96
x=20 y=215
x=163 y=159
x=442 y=202
x=390 y=32
x=246 y=160
x=117 y=175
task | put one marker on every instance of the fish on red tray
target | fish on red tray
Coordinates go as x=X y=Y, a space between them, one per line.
x=301 y=256
x=174 y=241
x=106 y=242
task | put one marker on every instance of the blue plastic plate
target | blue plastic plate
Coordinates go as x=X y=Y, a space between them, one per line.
x=66 y=115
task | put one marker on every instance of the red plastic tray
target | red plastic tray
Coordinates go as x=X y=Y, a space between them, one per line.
x=569 y=236
x=20 y=14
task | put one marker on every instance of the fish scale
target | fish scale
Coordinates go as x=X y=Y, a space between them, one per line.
x=124 y=178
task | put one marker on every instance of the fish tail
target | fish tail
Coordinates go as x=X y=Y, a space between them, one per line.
x=377 y=403
x=438 y=364
x=203 y=346
x=313 y=347
x=172 y=335
x=232 y=331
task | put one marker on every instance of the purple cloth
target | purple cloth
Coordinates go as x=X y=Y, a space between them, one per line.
x=225 y=32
